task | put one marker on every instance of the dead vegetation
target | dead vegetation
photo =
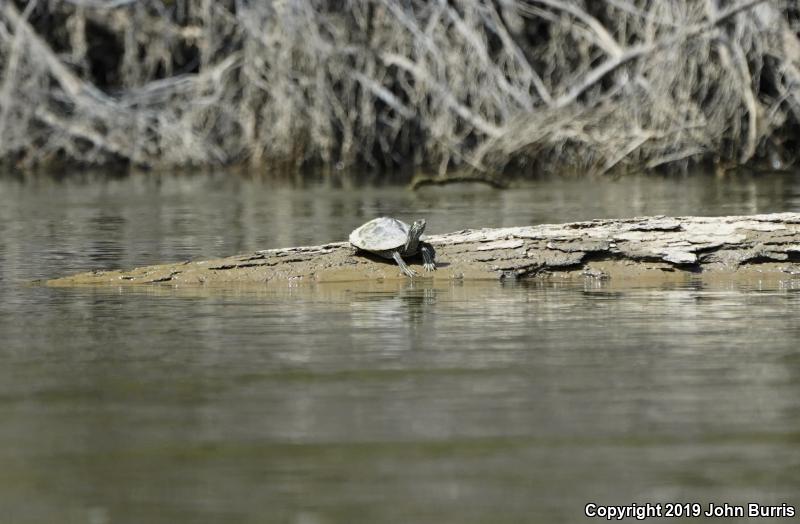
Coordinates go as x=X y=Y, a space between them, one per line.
x=531 y=85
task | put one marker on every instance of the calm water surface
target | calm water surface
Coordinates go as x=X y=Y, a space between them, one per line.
x=402 y=402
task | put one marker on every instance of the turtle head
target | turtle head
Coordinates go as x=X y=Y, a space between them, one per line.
x=414 y=235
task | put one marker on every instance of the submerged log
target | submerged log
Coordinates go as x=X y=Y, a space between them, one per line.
x=667 y=248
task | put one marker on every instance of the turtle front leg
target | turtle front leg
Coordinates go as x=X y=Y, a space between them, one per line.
x=402 y=263
x=427 y=257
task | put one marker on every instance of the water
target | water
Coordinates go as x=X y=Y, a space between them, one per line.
x=395 y=402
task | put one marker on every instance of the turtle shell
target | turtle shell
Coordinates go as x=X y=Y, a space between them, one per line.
x=380 y=234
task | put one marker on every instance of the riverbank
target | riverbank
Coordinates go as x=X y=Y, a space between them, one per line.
x=554 y=85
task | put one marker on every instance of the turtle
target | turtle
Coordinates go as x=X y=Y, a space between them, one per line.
x=394 y=239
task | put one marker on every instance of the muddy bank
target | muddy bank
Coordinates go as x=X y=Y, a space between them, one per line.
x=648 y=249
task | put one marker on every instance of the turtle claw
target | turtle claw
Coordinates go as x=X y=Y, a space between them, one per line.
x=407 y=271
x=427 y=257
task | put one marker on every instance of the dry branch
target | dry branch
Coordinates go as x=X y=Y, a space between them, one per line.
x=544 y=84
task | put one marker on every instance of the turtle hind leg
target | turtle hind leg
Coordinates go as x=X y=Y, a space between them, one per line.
x=402 y=263
x=427 y=257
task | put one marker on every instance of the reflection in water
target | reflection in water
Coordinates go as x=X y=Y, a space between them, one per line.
x=379 y=402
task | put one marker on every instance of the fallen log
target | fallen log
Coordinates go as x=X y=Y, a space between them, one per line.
x=666 y=248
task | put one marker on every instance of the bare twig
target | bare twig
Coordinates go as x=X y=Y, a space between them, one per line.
x=531 y=85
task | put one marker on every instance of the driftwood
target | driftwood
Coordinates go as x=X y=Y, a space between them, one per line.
x=764 y=246
x=420 y=181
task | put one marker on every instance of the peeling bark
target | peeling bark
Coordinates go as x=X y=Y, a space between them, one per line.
x=664 y=247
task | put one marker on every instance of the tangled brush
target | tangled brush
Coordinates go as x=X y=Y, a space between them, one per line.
x=531 y=85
